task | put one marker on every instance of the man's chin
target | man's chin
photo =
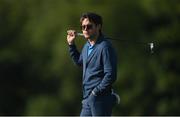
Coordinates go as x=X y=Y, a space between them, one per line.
x=86 y=37
x=89 y=36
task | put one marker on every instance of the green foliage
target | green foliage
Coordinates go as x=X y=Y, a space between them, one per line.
x=37 y=76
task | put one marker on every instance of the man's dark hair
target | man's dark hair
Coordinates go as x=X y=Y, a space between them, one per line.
x=93 y=17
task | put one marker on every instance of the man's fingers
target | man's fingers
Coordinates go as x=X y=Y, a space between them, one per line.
x=71 y=32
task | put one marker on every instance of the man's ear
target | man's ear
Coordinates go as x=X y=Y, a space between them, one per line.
x=99 y=26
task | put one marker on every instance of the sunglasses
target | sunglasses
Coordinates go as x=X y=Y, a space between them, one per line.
x=87 y=27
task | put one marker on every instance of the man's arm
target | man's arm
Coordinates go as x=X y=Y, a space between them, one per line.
x=110 y=71
x=75 y=55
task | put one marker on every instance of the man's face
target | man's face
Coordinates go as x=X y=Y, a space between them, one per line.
x=89 y=29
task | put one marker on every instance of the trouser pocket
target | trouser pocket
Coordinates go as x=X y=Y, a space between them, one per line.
x=101 y=105
x=91 y=99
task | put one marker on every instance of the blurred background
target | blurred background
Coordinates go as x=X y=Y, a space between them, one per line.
x=38 y=77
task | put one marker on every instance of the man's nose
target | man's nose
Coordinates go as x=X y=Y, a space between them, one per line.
x=85 y=28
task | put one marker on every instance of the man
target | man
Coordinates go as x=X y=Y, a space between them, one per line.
x=99 y=63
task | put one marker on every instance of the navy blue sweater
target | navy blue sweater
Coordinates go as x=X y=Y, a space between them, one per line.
x=99 y=68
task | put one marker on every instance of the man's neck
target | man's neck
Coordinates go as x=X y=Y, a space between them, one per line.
x=93 y=40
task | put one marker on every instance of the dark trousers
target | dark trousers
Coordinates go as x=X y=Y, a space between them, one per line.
x=98 y=105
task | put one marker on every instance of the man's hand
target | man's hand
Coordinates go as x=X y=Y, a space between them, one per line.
x=71 y=35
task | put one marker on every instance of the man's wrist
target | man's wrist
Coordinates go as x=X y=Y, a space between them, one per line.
x=70 y=44
x=93 y=93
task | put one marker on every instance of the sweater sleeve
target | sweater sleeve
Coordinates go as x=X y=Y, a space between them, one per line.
x=110 y=70
x=75 y=55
